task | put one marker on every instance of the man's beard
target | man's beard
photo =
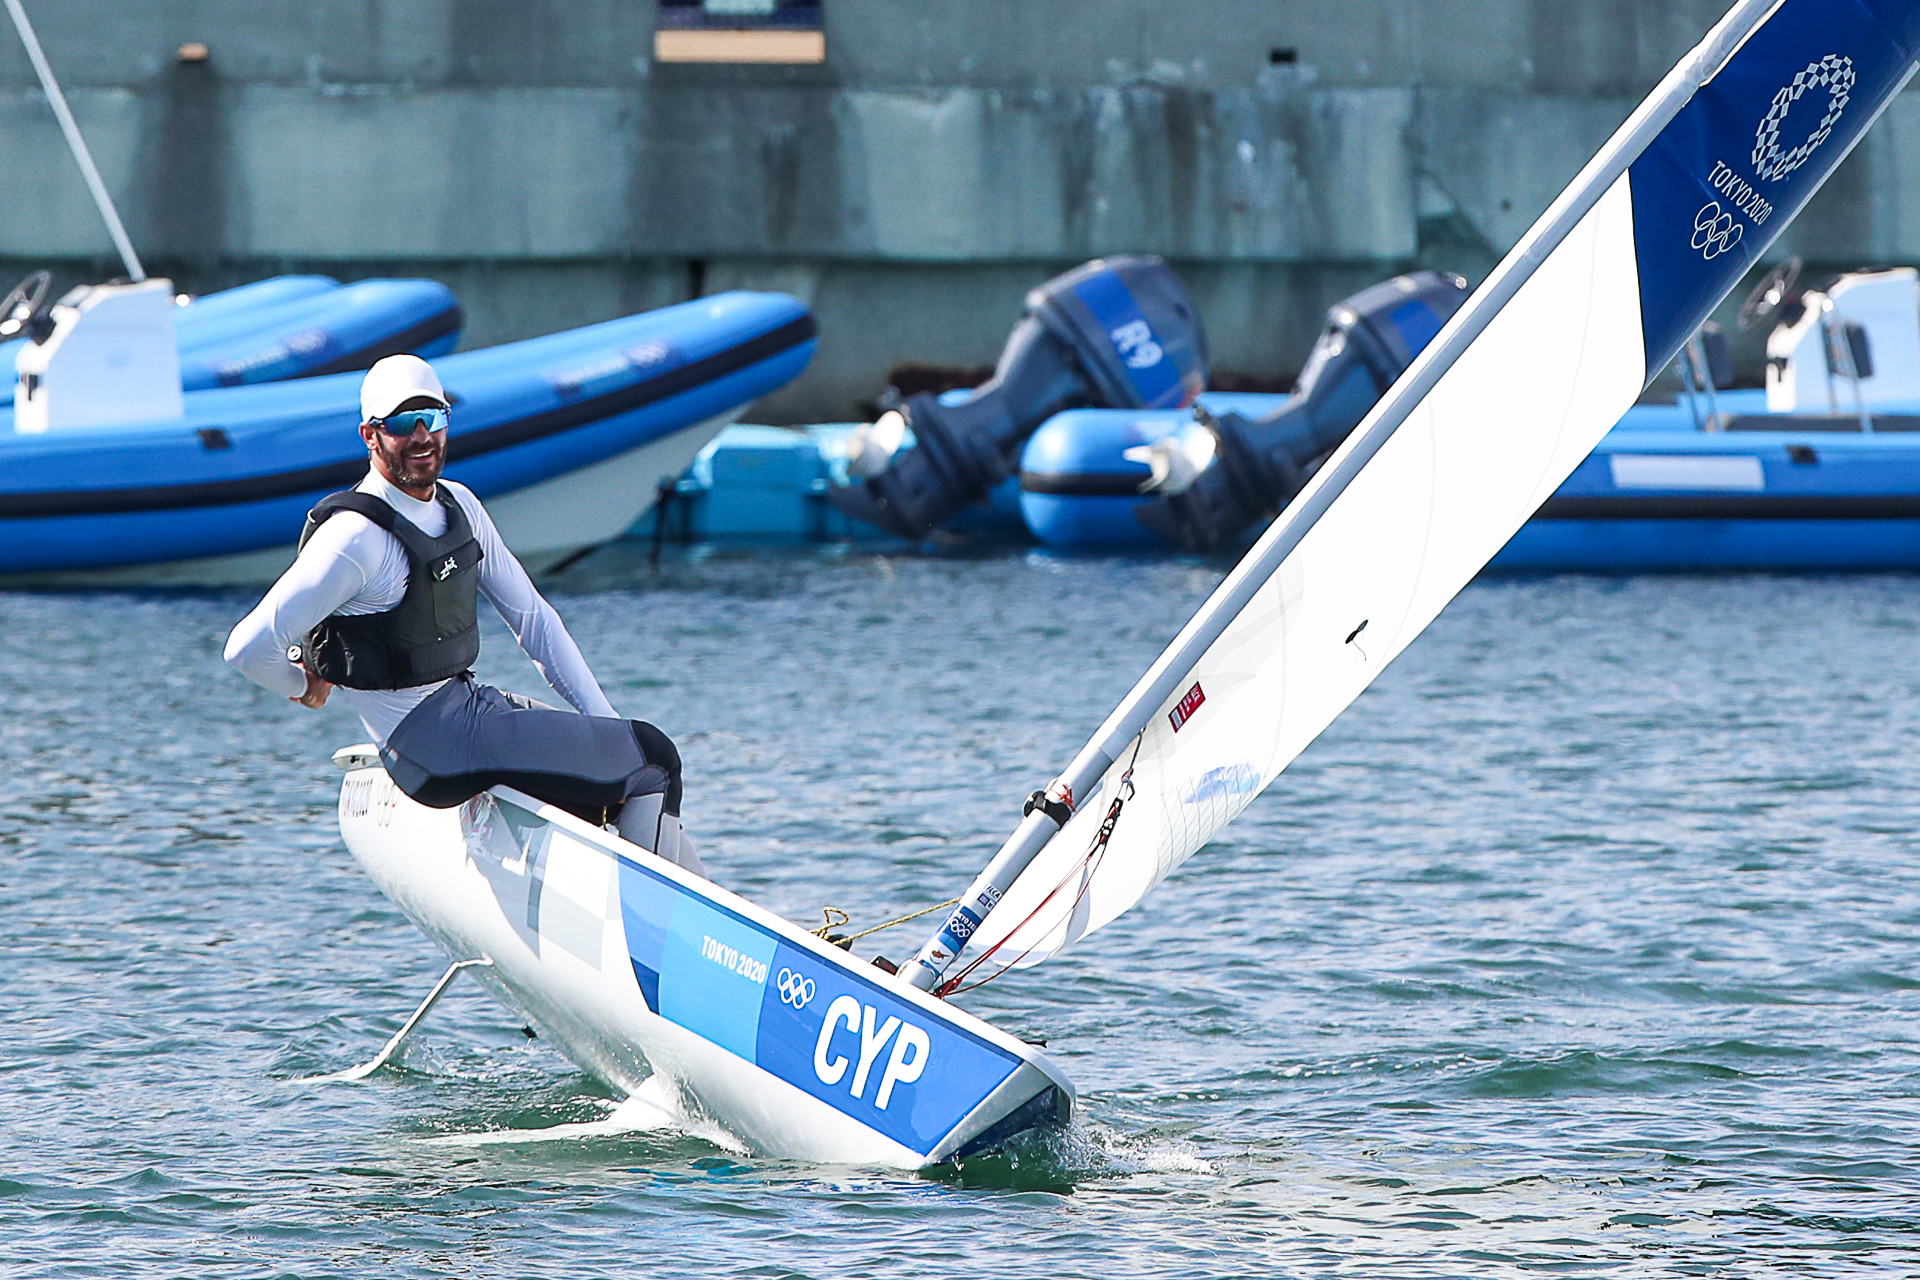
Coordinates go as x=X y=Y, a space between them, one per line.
x=412 y=473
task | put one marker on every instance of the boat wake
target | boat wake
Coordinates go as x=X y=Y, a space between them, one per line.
x=1061 y=1159
x=1145 y=1153
x=649 y=1110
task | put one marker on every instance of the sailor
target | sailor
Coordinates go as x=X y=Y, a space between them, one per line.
x=383 y=603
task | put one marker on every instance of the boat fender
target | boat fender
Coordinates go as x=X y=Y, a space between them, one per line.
x=432 y=634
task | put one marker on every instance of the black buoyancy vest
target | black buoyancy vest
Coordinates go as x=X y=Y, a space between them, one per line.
x=432 y=634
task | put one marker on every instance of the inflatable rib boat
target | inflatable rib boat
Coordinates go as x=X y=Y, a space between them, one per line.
x=674 y=990
x=1820 y=470
x=300 y=327
x=566 y=437
x=1768 y=491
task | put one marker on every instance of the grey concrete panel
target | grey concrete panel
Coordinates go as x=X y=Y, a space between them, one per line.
x=405 y=42
x=1605 y=47
x=1502 y=158
x=750 y=169
x=491 y=173
x=351 y=171
x=44 y=205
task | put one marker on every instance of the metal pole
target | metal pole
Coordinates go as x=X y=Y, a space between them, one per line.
x=77 y=144
x=1833 y=336
x=1697 y=345
x=1833 y=357
x=1685 y=361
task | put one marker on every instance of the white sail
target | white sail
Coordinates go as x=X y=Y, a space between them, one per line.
x=1495 y=437
x=1505 y=403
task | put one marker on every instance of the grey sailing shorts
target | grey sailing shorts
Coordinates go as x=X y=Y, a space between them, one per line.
x=468 y=736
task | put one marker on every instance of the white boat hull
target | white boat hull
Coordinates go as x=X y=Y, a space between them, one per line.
x=742 y=1021
x=543 y=524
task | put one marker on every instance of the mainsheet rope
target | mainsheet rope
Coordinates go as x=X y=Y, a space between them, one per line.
x=1089 y=863
x=826 y=930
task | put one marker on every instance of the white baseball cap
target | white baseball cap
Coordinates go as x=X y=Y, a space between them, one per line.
x=395 y=380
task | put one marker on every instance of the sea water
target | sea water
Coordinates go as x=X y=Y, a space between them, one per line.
x=1587 y=941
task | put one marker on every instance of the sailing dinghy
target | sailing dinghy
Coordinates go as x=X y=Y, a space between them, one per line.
x=739 y=1020
x=647 y=974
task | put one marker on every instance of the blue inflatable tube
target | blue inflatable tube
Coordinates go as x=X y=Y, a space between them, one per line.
x=1078 y=490
x=241 y=469
x=203 y=312
x=301 y=327
x=1770 y=491
x=333 y=332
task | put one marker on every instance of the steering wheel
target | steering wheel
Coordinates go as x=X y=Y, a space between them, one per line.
x=1770 y=295
x=25 y=303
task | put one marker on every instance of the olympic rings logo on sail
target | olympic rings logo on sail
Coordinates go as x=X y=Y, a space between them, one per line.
x=1715 y=232
x=1834 y=73
x=794 y=989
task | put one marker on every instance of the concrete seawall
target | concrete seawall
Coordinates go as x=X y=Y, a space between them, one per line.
x=537 y=159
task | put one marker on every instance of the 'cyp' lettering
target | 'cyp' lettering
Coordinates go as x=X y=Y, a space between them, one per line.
x=907 y=1062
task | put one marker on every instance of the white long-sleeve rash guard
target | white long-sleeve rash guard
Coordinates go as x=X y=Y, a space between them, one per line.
x=353 y=566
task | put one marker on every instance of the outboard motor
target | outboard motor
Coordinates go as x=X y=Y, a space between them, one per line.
x=1216 y=476
x=1116 y=332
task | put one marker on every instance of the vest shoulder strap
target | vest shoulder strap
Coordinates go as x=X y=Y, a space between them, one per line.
x=418 y=544
x=352 y=500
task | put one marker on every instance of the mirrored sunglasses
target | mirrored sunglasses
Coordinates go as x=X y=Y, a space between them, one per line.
x=406 y=423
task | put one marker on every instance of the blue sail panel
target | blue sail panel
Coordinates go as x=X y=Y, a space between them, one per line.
x=1731 y=170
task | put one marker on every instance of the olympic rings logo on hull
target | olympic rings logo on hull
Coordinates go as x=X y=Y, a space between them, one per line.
x=1715 y=232
x=794 y=989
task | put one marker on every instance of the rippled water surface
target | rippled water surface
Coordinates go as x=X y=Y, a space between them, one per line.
x=1586 y=941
